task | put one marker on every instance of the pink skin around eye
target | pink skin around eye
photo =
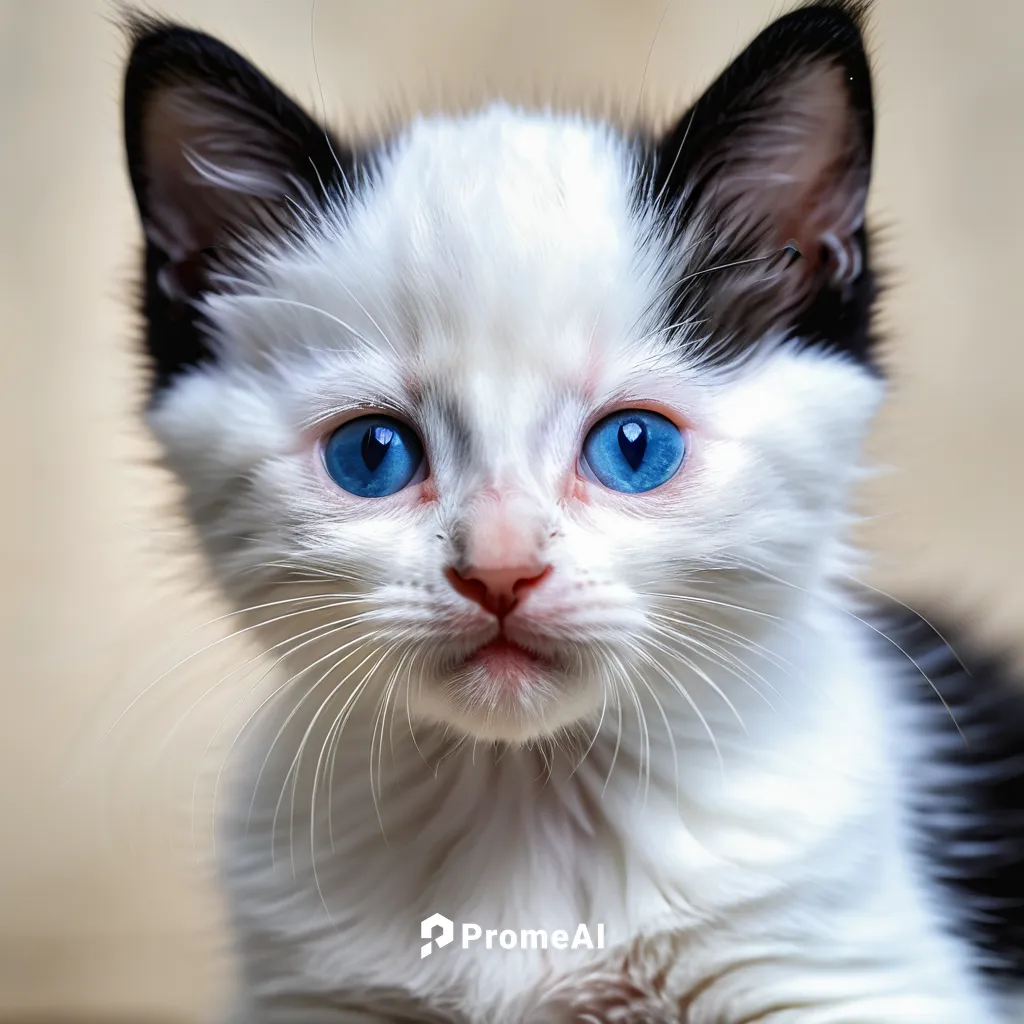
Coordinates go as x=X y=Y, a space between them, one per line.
x=427 y=491
x=577 y=488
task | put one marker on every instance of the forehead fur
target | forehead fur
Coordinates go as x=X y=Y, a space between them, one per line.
x=512 y=231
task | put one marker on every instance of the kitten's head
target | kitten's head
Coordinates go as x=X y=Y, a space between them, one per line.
x=516 y=410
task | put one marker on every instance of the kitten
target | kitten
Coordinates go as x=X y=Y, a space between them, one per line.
x=528 y=441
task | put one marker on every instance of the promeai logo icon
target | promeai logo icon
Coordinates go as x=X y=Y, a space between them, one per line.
x=436 y=922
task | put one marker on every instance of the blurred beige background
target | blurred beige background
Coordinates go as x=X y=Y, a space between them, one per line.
x=106 y=909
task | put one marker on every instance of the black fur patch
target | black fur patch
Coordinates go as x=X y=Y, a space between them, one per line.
x=968 y=798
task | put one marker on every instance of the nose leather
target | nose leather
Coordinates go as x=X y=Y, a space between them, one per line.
x=503 y=560
x=498 y=589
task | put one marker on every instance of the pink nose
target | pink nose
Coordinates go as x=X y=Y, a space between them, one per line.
x=497 y=589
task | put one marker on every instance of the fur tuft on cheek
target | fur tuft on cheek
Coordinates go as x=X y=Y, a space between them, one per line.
x=216 y=427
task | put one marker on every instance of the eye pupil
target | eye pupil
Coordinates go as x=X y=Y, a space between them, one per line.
x=633 y=442
x=376 y=442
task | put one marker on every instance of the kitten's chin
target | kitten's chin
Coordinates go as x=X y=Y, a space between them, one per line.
x=505 y=693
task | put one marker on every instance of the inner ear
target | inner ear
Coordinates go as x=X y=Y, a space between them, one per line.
x=216 y=152
x=796 y=174
x=207 y=171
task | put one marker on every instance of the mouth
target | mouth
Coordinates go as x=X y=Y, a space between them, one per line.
x=502 y=654
x=500 y=689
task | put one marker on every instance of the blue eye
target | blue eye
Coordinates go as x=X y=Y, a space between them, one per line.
x=373 y=456
x=634 y=450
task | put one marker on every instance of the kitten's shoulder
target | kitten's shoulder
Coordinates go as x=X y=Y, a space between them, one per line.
x=966 y=781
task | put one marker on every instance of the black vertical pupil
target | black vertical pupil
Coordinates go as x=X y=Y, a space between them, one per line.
x=376 y=442
x=633 y=442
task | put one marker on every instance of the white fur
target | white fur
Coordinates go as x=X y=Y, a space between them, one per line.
x=764 y=874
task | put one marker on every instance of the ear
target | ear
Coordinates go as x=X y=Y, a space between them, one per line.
x=217 y=156
x=770 y=170
x=215 y=150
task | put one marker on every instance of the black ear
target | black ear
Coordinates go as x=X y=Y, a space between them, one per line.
x=769 y=171
x=217 y=155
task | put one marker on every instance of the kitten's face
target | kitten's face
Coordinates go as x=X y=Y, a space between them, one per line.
x=495 y=419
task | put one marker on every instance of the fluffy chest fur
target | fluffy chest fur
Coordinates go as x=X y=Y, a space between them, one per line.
x=711 y=884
